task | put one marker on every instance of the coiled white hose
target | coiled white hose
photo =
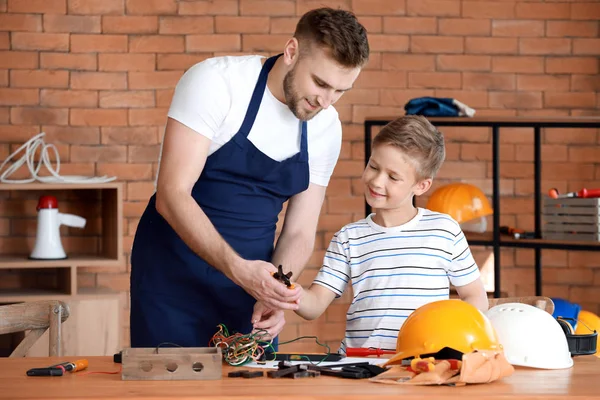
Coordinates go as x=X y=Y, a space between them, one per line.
x=31 y=147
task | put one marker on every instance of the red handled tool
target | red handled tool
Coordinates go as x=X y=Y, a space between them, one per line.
x=583 y=193
x=360 y=352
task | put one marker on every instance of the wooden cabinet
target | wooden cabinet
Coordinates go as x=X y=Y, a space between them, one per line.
x=94 y=325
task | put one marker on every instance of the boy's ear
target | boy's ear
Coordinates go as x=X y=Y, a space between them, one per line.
x=422 y=186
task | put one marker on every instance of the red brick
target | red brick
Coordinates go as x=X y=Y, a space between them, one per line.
x=249 y=42
x=18 y=59
x=72 y=23
x=518 y=100
x=378 y=79
x=517 y=28
x=463 y=63
x=98 y=43
x=464 y=27
x=491 y=45
x=371 y=24
x=98 y=117
x=571 y=29
x=408 y=62
x=575 y=136
x=465 y=170
x=522 y=64
x=440 y=8
x=19 y=97
x=98 y=153
x=4 y=41
x=156 y=44
x=140 y=190
x=282 y=24
x=388 y=43
x=483 y=152
x=490 y=81
x=125 y=171
x=39 y=78
x=20 y=22
x=40 y=41
x=399 y=97
x=433 y=80
x=543 y=10
x=409 y=25
x=569 y=100
x=359 y=112
x=488 y=9
x=585 y=10
x=4 y=118
x=72 y=135
x=267 y=7
x=143 y=154
x=38 y=6
x=584 y=154
x=378 y=7
x=545 y=46
x=585 y=83
x=229 y=42
x=126 y=62
x=139 y=135
x=307 y=5
x=473 y=98
x=147 y=116
x=96 y=7
x=164 y=97
x=566 y=171
x=179 y=62
x=69 y=98
x=126 y=99
x=3 y=5
x=18 y=133
x=154 y=80
x=68 y=61
x=151 y=7
x=542 y=82
x=32 y=115
x=436 y=44
x=359 y=96
x=129 y=24
x=98 y=80
x=586 y=46
x=185 y=25
x=210 y=7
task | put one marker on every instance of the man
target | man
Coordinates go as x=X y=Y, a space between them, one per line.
x=244 y=135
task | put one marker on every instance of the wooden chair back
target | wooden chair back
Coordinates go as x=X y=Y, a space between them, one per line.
x=542 y=302
x=35 y=317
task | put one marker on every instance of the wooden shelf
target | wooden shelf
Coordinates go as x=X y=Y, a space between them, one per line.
x=487 y=239
x=7 y=262
x=58 y=186
x=22 y=295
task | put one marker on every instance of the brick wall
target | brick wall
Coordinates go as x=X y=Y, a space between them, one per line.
x=97 y=76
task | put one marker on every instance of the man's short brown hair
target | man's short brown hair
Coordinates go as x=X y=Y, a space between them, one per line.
x=415 y=136
x=338 y=31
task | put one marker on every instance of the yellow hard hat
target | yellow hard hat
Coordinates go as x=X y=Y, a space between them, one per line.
x=588 y=322
x=462 y=201
x=444 y=323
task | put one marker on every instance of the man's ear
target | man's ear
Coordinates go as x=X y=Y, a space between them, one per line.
x=422 y=186
x=291 y=52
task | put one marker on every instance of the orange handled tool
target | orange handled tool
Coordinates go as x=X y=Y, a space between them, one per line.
x=361 y=352
x=583 y=193
x=422 y=364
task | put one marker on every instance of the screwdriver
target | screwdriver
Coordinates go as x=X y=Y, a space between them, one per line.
x=361 y=352
x=583 y=193
x=78 y=365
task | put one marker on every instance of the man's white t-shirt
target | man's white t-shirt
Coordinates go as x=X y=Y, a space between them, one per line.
x=212 y=98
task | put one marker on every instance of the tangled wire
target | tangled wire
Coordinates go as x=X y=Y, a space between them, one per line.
x=239 y=349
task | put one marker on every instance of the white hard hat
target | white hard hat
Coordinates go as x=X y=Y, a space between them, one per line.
x=530 y=336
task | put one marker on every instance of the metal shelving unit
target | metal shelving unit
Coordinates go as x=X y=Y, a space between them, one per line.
x=494 y=239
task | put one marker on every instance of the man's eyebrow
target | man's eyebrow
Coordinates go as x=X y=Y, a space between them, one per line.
x=323 y=83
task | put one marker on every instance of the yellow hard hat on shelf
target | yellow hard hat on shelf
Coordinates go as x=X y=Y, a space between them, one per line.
x=588 y=322
x=462 y=201
x=445 y=323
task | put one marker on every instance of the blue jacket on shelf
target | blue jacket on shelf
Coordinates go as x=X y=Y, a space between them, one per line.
x=437 y=107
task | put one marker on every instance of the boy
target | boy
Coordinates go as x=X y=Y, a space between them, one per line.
x=401 y=257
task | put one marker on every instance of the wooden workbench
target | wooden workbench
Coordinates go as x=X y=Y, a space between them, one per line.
x=581 y=381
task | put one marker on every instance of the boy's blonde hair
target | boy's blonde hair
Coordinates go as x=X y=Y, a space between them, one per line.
x=415 y=136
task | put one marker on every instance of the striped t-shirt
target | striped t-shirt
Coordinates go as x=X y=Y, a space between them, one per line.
x=394 y=271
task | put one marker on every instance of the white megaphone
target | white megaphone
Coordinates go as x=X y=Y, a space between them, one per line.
x=47 y=241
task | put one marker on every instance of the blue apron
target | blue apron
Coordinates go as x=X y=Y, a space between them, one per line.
x=178 y=297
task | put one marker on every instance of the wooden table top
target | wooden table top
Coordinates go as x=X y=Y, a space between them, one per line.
x=583 y=380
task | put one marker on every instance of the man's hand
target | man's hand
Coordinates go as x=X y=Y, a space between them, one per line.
x=256 y=278
x=267 y=319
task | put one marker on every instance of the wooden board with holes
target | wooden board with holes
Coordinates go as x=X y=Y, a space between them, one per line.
x=171 y=364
